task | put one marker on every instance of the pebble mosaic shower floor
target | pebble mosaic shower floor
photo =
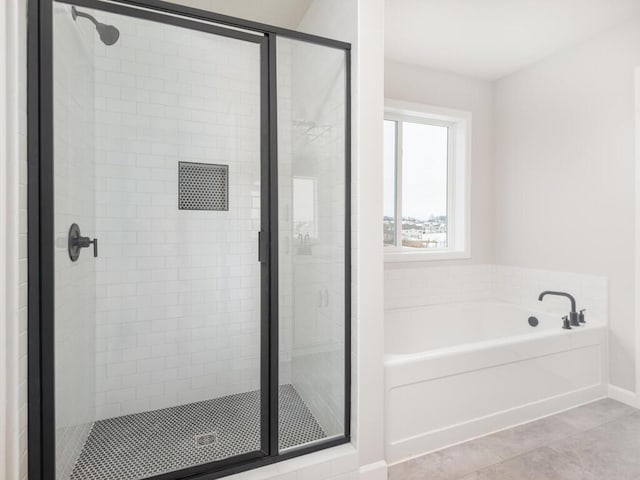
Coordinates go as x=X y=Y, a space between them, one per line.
x=150 y=443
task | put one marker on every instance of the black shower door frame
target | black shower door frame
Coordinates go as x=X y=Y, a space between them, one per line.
x=41 y=381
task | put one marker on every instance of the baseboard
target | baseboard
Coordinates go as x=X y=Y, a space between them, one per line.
x=418 y=445
x=624 y=396
x=374 y=471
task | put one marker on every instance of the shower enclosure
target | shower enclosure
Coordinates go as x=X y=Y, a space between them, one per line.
x=189 y=249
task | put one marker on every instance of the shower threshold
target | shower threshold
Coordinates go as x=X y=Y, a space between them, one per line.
x=145 y=444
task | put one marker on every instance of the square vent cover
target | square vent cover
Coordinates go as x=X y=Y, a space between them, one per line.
x=203 y=186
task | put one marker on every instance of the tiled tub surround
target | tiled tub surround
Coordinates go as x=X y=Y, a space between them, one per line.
x=432 y=285
x=596 y=441
x=523 y=285
x=471 y=364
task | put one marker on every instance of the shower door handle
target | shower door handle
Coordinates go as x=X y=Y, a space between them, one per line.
x=89 y=242
x=76 y=242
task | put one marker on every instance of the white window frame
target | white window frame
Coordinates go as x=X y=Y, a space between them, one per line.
x=458 y=123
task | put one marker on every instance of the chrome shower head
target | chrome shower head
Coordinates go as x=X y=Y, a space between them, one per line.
x=108 y=33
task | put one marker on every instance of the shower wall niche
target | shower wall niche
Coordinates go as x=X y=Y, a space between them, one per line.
x=210 y=165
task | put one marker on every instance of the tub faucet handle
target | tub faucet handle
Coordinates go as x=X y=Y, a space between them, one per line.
x=581 y=316
x=565 y=323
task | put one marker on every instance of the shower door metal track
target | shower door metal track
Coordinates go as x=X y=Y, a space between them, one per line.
x=41 y=382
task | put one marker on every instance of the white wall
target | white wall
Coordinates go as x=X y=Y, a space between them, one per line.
x=281 y=13
x=564 y=173
x=637 y=228
x=368 y=98
x=21 y=149
x=13 y=242
x=431 y=87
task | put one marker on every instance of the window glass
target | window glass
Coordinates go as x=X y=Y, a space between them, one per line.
x=424 y=186
x=389 y=182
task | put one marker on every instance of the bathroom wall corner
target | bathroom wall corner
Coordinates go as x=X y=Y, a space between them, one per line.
x=369 y=318
x=637 y=232
x=374 y=471
x=624 y=396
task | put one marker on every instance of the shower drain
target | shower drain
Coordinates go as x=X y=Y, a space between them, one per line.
x=206 y=439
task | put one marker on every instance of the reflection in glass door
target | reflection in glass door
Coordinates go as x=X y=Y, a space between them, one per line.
x=157 y=161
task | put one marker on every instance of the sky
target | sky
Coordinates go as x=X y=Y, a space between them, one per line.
x=424 y=183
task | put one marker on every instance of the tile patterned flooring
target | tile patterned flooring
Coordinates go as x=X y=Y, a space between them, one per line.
x=597 y=441
x=151 y=443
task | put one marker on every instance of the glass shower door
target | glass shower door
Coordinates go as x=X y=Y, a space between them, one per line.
x=158 y=163
x=313 y=231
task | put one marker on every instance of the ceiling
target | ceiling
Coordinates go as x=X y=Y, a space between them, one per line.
x=492 y=38
x=281 y=13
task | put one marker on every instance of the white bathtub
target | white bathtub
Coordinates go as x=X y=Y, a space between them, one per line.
x=458 y=371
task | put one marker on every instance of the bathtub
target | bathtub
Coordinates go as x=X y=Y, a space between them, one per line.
x=458 y=371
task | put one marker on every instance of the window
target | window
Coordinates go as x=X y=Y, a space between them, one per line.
x=426 y=184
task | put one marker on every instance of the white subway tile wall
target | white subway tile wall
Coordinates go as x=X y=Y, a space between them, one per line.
x=428 y=285
x=75 y=281
x=523 y=285
x=178 y=292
